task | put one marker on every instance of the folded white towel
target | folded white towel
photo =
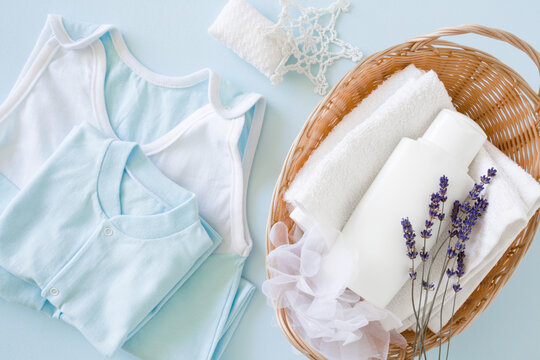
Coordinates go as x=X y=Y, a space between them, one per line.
x=357 y=115
x=514 y=196
x=336 y=184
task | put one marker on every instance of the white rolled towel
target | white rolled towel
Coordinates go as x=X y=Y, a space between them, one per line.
x=337 y=181
x=245 y=30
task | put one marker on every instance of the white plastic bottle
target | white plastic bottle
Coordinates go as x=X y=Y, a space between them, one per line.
x=372 y=240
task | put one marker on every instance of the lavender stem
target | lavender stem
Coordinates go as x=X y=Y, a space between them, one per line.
x=451 y=322
x=415 y=312
x=441 y=314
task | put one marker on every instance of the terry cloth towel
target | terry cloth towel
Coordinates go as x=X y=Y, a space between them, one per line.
x=514 y=197
x=335 y=186
x=358 y=115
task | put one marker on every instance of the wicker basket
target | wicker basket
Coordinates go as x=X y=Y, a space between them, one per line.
x=482 y=87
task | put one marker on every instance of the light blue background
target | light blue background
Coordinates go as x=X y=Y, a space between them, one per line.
x=170 y=37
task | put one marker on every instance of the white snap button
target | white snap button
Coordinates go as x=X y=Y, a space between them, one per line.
x=108 y=231
x=54 y=291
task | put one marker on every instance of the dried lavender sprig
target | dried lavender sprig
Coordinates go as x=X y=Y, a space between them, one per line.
x=461 y=229
x=412 y=275
x=457 y=252
x=436 y=199
x=434 y=213
x=411 y=253
x=451 y=254
x=452 y=232
x=475 y=212
x=410 y=243
x=454 y=215
x=462 y=226
x=409 y=235
x=456 y=224
x=431 y=286
x=480 y=207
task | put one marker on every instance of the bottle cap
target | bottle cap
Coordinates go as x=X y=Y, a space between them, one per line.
x=457 y=134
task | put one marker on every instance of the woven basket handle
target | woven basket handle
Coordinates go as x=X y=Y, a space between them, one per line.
x=420 y=41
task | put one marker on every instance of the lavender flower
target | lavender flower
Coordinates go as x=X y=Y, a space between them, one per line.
x=434 y=205
x=457 y=287
x=465 y=207
x=456 y=221
x=409 y=236
x=491 y=173
x=430 y=286
x=460 y=264
x=455 y=210
x=450 y=272
x=406 y=224
x=451 y=252
x=462 y=235
x=443 y=187
x=424 y=255
x=476 y=190
x=412 y=275
x=482 y=204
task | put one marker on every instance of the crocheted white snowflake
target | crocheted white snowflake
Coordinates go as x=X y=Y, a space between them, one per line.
x=312 y=46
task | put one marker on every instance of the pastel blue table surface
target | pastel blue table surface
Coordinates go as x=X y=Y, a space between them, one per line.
x=170 y=37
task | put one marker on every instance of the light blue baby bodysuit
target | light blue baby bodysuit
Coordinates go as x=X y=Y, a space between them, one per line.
x=104 y=235
x=11 y=287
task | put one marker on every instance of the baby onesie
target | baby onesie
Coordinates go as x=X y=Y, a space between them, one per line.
x=198 y=130
x=105 y=235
